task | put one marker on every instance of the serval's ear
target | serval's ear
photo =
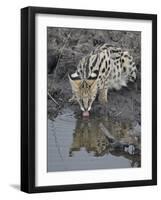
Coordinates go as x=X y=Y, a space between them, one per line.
x=75 y=84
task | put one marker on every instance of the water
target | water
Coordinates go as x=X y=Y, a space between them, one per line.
x=94 y=143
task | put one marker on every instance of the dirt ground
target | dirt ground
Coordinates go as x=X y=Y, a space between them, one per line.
x=66 y=47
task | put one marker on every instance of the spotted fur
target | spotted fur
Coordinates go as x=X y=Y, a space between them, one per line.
x=105 y=68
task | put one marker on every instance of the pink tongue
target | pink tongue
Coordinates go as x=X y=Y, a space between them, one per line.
x=85 y=114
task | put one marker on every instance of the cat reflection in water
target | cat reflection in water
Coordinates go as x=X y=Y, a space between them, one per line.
x=103 y=137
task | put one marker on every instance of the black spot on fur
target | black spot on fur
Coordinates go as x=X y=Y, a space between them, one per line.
x=101 y=63
x=114 y=76
x=117 y=66
x=108 y=69
x=130 y=63
x=106 y=64
x=124 y=68
x=92 y=78
x=109 y=62
x=122 y=60
x=103 y=70
x=95 y=61
x=117 y=57
x=96 y=72
x=118 y=74
x=87 y=61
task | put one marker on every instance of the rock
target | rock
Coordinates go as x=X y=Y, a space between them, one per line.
x=130 y=149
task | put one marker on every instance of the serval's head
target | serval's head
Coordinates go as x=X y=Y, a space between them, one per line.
x=85 y=92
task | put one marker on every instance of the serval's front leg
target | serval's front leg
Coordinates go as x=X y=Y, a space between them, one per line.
x=103 y=96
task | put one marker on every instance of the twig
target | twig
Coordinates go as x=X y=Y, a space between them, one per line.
x=132 y=102
x=61 y=51
x=57 y=145
x=118 y=114
x=53 y=99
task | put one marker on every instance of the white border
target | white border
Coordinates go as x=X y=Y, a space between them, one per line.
x=91 y=176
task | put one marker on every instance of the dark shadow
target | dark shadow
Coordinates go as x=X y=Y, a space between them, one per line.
x=15 y=186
